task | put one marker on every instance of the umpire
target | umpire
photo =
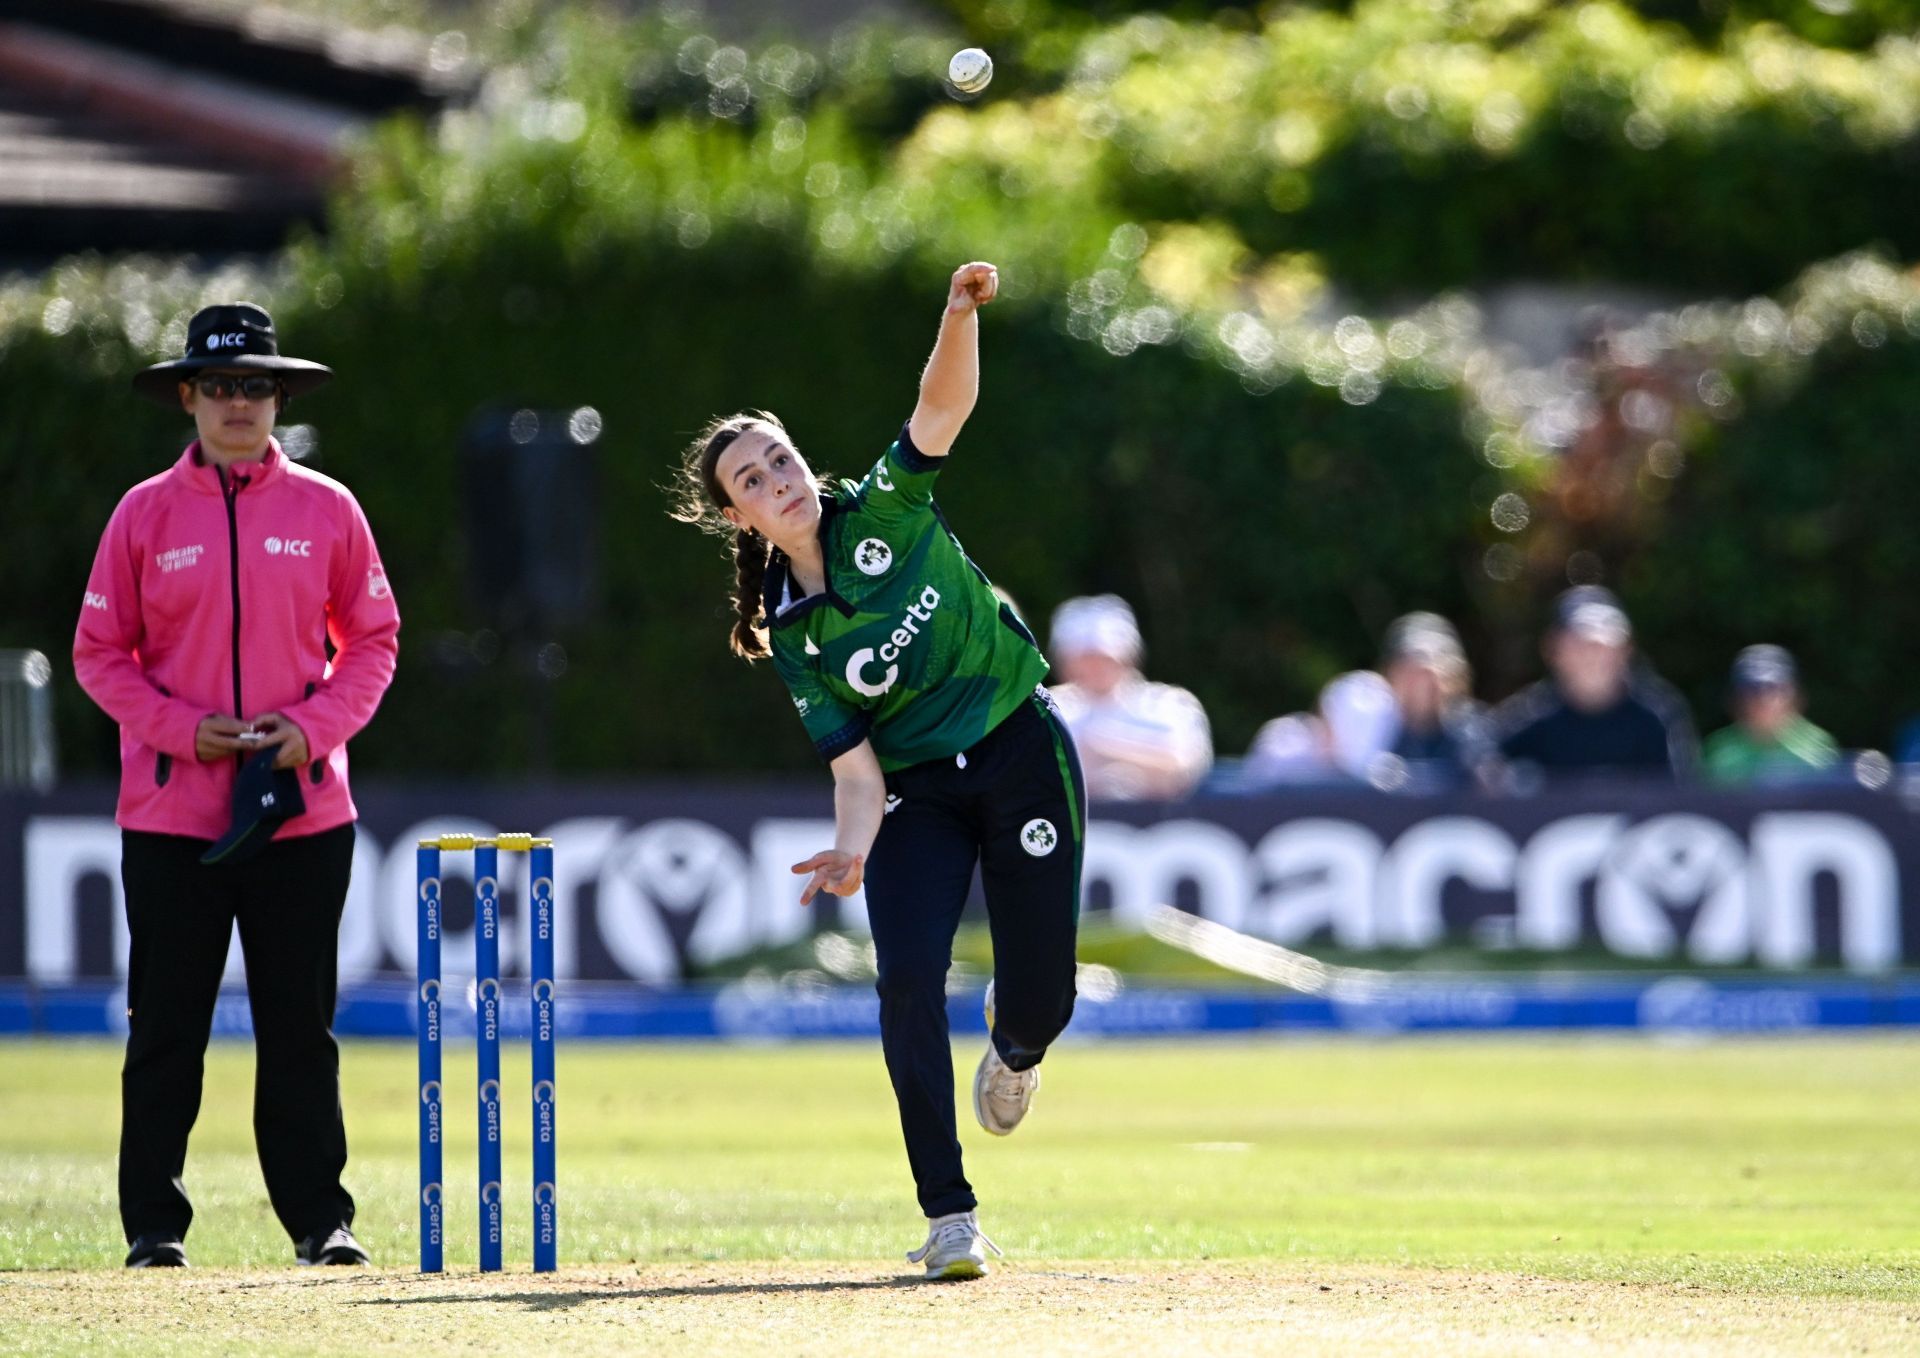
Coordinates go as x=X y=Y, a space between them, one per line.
x=217 y=591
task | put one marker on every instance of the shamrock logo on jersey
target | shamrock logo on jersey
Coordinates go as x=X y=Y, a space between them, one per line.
x=872 y=556
x=1038 y=837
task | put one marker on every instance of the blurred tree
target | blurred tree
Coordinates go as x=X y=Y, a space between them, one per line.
x=1176 y=405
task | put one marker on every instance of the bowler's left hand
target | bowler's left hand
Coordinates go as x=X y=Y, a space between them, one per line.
x=277 y=730
x=832 y=871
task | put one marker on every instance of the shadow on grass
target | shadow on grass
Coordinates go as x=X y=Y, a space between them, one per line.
x=560 y=1301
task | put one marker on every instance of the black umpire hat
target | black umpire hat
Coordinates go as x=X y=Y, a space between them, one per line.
x=237 y=337
x=263 y=798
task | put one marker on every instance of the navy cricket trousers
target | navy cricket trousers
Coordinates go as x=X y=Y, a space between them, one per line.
x=1015 y=805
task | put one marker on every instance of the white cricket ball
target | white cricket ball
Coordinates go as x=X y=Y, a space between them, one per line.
x=970 y=71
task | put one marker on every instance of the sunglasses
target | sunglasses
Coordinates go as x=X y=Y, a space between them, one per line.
x=222 y=387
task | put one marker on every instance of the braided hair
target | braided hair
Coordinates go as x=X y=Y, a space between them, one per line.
x=749 y=639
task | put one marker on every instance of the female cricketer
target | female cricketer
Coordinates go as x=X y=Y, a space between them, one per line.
x=922 y=691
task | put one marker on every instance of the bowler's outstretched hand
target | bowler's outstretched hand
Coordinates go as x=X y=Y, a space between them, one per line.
x=832 y=871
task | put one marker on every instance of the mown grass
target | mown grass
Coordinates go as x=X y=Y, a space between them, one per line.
x=1767 y=1174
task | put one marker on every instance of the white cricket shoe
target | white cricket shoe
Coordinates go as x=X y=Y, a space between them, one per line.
x=1001 y=1096
x=956 y=1247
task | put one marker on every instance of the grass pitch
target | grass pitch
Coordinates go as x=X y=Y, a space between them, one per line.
x=1441 y=1196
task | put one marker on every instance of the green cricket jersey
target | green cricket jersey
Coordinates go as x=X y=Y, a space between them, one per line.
x=908 y=646
x=1733 y=756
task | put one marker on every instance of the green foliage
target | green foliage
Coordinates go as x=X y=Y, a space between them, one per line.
x=826 y=330
x=1786 y=525
x=666 y=274
x=880 y=79
x=73 y=439
x=1401 y=146
x=1410 y=150
x=1172 y=407
x=1831 y=23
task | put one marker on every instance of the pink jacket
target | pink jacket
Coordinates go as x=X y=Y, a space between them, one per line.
x=206 y=603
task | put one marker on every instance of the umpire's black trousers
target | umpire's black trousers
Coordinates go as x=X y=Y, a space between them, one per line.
x=180 y=915
x=1015 y=804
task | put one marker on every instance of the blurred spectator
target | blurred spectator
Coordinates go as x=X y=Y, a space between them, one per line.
x=1411 y=728
x=1441 y=738
x=1770 y=739
x=1343 y=740
x=1597 y=713
x=1290 y=749
x=1340 y=741
x=1137 y=739
x=1356 y=712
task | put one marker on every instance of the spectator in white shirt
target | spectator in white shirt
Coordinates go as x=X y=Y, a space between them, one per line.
x=1342 y=740
x=1138 y=740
